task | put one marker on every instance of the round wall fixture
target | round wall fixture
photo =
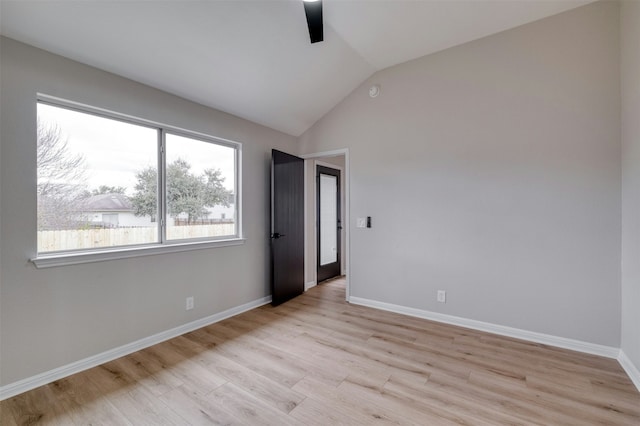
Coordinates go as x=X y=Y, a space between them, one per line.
x=374 y=90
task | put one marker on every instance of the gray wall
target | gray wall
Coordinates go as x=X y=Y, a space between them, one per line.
x=492 y=170
x=51 y=317
x=630 y=31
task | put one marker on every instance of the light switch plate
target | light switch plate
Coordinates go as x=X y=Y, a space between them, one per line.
x=361 y=222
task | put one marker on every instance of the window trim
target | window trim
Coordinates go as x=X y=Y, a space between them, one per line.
x=79 y=257
x=72 y=257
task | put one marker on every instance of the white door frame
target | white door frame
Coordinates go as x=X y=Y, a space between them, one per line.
x=346 y=222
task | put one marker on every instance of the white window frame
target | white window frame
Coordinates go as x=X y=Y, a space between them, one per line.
x=72 y=257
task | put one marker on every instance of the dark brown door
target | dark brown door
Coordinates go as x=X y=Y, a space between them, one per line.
x=287 y=226
x=328 y=222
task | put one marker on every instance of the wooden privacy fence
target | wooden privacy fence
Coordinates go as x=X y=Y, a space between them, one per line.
x=75 y=239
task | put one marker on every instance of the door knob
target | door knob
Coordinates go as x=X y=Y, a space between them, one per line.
x=277 y=235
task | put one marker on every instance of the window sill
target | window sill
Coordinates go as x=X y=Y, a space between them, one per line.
x=63 y=259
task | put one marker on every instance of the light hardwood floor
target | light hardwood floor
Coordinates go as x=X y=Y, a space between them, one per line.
x=317 y=360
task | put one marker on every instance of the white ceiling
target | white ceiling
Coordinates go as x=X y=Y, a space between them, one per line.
x=253 y=58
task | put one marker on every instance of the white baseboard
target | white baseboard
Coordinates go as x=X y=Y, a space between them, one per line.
x=631 y=370
x=33 y=382
x=546 y=339
x=310 y=284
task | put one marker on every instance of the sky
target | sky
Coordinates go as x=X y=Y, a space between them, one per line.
x=115 y=151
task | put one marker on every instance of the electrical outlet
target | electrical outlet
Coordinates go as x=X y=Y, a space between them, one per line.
x=442 y=296
x=189 y=303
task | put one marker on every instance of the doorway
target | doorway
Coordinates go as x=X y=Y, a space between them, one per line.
x=337 y=160
x=329 y=223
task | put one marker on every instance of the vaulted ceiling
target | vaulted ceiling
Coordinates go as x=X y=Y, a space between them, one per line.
x=253 y=59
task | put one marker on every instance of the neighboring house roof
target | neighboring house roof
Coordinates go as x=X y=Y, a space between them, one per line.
x=108 y=202
x=118 y=203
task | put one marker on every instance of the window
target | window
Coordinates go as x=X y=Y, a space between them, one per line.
x=110 y=219
x=104 y=180
x=200 y=179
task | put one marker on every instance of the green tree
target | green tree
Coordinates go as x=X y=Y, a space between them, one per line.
x=145 y=199
x=187 y=193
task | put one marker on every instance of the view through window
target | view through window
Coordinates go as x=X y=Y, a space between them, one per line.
x=200 y=188
x=98 y=184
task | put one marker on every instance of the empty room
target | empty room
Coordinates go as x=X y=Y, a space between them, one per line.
x=293 y=212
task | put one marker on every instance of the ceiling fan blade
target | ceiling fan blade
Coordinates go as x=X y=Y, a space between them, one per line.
x=313 y=10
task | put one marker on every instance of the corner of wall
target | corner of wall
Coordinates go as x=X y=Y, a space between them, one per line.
x=630 y=369
x=630 y=141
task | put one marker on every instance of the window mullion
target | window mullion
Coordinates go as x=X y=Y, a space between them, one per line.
x=162 y=187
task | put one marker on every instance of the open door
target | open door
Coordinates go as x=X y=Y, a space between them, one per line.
x=287 y=226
